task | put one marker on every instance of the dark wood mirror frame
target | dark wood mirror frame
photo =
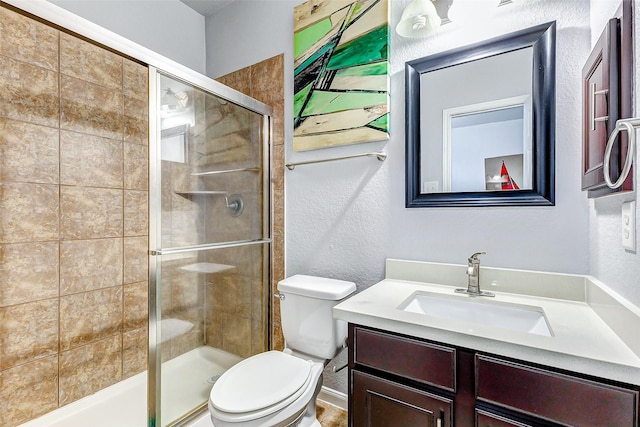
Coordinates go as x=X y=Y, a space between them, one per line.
x=542 y=40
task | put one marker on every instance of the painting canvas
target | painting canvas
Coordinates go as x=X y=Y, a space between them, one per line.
x=341 y=73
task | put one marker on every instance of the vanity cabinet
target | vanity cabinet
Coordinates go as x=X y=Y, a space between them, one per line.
x=396 y=380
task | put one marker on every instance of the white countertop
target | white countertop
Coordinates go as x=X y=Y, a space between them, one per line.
x=595 y=331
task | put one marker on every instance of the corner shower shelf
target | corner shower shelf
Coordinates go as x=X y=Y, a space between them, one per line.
x=234 y=202
x=207 y=267
x=205 y=173
x=201 y=193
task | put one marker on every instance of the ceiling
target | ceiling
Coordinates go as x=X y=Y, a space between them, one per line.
x=206 y=7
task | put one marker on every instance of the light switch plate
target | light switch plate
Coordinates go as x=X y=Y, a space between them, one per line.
x=629 y=226
x=430 y=187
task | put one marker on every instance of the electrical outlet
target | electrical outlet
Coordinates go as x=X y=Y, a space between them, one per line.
x=629 y=226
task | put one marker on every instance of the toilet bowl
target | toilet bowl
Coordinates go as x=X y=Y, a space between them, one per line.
x=279 y=388
x=270 y=389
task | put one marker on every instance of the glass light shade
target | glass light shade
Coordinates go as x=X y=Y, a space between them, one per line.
x=418 y=19
x=471 y=11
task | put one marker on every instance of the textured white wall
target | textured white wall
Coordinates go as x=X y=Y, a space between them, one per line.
x=601 y=12
x=343 y=219
x=609 y=262
x=553 y=239
x=168 y=27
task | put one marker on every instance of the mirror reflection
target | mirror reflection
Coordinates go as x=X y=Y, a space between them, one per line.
x=471 y=113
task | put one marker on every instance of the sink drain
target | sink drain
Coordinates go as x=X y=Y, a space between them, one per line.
x=212 y=379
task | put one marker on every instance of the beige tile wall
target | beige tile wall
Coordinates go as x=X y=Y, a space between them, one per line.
x=237 y=302
x=73 y=218
x=264 y=81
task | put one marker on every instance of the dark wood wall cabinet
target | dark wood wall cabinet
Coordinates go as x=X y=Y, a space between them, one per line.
x=606 y=97
x=396 y=380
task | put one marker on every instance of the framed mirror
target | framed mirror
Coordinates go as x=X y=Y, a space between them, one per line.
x=480 y=123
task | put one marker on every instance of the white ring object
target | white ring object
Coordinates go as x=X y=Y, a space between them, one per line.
x=629 y=127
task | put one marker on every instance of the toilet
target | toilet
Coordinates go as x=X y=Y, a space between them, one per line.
x=279 y=388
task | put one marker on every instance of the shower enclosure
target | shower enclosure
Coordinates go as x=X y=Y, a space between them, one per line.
x=134 y=227
x=209 y=238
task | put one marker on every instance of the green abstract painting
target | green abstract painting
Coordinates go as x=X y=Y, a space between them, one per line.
x=341 y=73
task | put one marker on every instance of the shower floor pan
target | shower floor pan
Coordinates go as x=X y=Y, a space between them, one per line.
x=186 y=379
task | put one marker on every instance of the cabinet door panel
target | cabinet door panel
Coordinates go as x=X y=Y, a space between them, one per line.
x=486 y=419
x=417 y=360
x=552 y=396
x=600 y=87
x=381 y=403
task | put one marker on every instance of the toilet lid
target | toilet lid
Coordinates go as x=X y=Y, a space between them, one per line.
x=258 y=382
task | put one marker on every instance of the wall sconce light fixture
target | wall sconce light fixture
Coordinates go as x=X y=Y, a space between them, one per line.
x=418 y=19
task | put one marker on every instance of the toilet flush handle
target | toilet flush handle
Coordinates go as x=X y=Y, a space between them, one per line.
x=279 y=296
x=339 y=368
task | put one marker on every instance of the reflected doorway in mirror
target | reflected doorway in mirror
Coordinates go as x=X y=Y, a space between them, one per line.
x=474 y=133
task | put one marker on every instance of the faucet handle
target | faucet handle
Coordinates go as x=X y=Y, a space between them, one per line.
x=475 y=256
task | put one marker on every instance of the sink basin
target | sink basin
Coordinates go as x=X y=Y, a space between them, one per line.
x=480 y=311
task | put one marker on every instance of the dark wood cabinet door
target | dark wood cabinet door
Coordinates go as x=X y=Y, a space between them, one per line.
x=601 y=106
x=607 y=88
x=377 y=402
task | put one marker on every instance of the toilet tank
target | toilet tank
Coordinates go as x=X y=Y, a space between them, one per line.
x=306 y=315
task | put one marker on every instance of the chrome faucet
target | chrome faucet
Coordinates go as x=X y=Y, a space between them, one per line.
x=473 y=271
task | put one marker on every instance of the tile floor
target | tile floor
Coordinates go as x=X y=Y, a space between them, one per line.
x=330 y=416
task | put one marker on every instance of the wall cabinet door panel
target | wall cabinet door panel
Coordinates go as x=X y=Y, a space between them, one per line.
x=607 y=94
x=601 y=106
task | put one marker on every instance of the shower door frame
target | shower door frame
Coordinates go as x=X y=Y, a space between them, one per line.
x=155 y=197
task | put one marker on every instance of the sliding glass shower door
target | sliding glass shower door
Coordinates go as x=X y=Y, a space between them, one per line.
x=210 y=227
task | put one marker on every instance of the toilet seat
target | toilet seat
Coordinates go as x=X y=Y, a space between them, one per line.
x=260 y=385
